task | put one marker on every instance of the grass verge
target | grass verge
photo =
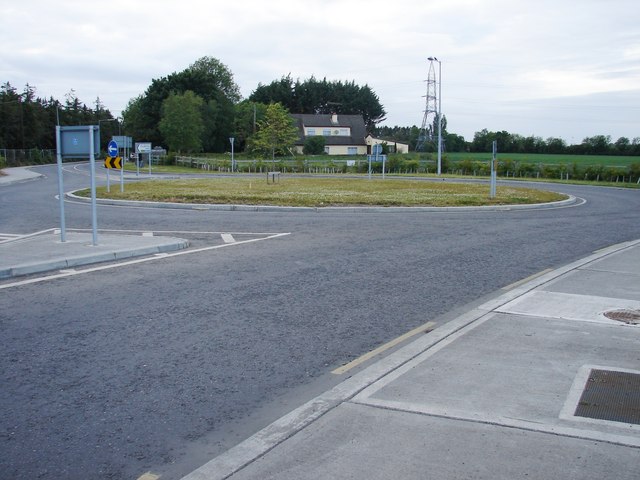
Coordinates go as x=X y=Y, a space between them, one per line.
x=324 y=192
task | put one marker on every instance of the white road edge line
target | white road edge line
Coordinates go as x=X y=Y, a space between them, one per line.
x=134 y=262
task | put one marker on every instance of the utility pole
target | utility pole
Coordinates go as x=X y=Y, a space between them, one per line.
x=439 y=101
x=430 y=110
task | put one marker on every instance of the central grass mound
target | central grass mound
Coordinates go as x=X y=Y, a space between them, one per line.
x=324 y=192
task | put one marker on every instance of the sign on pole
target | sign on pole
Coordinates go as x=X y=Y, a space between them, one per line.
x=144 y=147
x=112 y=149
x=78 y=142
x=75 y=141
x=113 y=162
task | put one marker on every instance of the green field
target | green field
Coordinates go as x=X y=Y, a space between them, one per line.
x=547 y=159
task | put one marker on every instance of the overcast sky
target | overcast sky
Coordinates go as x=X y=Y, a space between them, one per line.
x=561 y=68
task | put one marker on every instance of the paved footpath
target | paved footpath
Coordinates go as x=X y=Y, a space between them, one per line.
x=541 y=382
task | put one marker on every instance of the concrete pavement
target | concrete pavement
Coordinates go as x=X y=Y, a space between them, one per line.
x=44 y=251
x=541 y=382
x=17 y=175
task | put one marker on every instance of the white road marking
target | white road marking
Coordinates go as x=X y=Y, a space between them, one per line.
x=135 y=262
x=227 y=238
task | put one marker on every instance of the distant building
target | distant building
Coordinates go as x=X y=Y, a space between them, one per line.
x=343 y=134
x=394 y=147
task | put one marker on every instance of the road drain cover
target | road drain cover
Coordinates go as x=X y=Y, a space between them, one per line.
x=630 y=317
x=611 y=395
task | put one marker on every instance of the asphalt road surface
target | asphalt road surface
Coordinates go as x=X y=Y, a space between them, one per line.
x=158 y=367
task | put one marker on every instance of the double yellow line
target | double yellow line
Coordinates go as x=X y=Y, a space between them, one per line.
x=426 y=328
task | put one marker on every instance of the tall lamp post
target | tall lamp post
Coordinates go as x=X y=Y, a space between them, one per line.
x=439 y=113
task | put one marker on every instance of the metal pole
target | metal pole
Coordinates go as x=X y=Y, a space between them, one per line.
x=123 y=159
x=232 y=139
x=492 y=192
x=439 y=117
x=63 y=233
x=94 y=211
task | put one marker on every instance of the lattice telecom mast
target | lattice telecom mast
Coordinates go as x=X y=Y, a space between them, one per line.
x=430 y=112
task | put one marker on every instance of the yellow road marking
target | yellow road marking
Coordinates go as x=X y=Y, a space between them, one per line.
x=525 y=280
x=149 y=476
x=426 y=328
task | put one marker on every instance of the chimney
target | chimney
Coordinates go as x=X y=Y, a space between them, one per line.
x=334 y=118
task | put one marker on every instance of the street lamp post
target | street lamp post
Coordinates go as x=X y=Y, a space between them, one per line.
x=439 y=113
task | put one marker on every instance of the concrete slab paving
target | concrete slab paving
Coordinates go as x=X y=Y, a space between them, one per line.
x=514 y=371
x=586 y=308
x=361 y=442
x=45 y=251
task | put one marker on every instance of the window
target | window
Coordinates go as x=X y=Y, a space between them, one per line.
x=326 y=132
x=352 y=150
x=311 y=132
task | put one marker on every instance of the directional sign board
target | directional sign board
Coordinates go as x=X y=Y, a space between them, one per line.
x=113 y=162
x=143 y=147
x=112 y=149
x=74 y=141
x=122 y=141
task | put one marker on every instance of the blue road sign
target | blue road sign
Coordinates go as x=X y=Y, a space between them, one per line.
x=112 y=148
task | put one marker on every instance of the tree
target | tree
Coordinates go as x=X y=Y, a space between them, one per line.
x=314 y=145
x=622 y=145
x=313 y=97
x=207 y=78
x=276 y=134
x=182 y=124
x=598 y=145
x=555 y=145
x=247 y=115
x=136 y=120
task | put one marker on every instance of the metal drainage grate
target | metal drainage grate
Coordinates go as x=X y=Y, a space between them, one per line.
x=630 y=317
x=611 y=395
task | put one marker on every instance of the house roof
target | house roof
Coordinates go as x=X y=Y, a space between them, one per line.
x=354 y=122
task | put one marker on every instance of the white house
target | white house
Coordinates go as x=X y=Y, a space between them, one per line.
x=394 y=147
x=343 y=134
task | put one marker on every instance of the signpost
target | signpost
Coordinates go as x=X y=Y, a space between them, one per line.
x=375 y=150
x=112 y=151
x=125 y=144
x=232 y=139
x=78 y=142
x=494 y=168
x=144 y=148
x=113 y=162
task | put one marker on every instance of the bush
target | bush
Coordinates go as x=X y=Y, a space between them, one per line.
x=314 y=145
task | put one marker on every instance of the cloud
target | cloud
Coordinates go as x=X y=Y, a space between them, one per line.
x=503 y=61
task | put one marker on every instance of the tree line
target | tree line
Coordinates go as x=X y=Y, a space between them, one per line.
x=28 y=121
x=200 y=108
